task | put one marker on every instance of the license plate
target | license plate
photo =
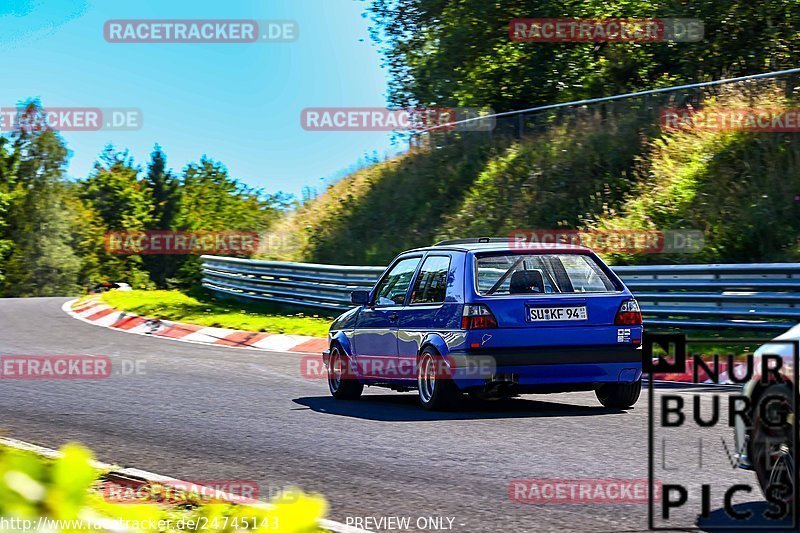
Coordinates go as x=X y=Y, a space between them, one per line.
x=547 y=314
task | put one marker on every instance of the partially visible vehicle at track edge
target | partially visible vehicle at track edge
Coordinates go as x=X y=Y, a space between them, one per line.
x=766 y=436
x=490 y=319
x=110 y=286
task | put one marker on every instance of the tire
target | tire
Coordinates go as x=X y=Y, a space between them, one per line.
x=342 y=382
x=770 y=445
x=619 y=395
x=437 y=392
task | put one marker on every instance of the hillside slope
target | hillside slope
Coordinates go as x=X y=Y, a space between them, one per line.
x=611 y=172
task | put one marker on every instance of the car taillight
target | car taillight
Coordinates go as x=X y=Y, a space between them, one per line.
x=629 y=314
x=477 y=316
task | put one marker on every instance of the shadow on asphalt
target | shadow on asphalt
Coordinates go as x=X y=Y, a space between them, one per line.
x=693 y=387
x=719 y=521
x=406 y=408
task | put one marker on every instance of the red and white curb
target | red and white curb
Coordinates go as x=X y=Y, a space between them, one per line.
x=95 y=312
x=115 y=470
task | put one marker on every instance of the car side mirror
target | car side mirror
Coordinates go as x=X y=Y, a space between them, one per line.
x=359 y=297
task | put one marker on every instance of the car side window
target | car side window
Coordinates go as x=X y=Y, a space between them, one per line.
x=393 y=288
x=431 y=284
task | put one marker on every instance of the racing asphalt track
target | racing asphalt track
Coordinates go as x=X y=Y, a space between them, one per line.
x=214 y=413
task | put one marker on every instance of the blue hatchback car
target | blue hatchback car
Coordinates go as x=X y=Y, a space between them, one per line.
x=490 y=318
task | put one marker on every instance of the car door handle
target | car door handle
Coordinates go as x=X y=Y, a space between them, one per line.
x=393 y=316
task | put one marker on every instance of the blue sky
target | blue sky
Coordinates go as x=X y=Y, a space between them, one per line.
x=237 y=103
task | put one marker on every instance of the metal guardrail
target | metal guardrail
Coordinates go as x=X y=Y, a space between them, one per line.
x=751 y=296
x=615 y=109
x=616 y=97
x=301 y=284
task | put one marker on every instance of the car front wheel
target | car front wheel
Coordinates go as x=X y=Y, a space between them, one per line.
x=343 y=384
x=771 y=444
x=437 y=392
x=619 y=395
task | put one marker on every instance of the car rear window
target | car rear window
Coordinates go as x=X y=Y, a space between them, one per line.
x=500 y=274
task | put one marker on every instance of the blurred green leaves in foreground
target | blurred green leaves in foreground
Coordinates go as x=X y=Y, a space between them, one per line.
x=61 y=494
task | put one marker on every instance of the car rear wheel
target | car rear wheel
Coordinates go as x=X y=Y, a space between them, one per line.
x=343 y=384
x=771 y=443
x=619 y=395
x=437 y=392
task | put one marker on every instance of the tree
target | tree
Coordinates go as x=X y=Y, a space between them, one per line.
x=41 y=261
x=166 y=195
x=7 y=181
x=123 y=201
x=212 y=200
x=458 y=52
x=117 y=200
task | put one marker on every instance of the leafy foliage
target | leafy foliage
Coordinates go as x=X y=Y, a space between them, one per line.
x=213 y=200
x=41 y=259
x=32 y=487
x=458 y=52
x=52 y=230
x=116 y=199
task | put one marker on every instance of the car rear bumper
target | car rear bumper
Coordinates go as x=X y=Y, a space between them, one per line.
x=572 y=368
x=556 y=356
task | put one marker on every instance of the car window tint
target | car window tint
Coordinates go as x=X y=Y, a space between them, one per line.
x=585 y=275
x=431 y=283
x=559 y=273
x=393 y=288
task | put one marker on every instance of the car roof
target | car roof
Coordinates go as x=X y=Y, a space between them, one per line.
x=507 y=246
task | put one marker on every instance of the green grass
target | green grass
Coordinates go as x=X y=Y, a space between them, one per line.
x=197 y=307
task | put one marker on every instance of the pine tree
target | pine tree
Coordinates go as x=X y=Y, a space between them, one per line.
x=166 y=196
